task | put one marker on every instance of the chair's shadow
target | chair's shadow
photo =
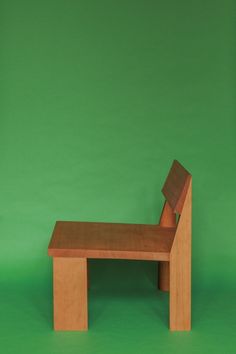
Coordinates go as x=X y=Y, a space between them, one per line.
x=108 y=279
x=125 y=279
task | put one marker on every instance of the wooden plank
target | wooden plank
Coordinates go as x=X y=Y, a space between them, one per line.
x=70 y=294
x=110 y=240
x=180 y=270
x=175 y=187
x=167 y=219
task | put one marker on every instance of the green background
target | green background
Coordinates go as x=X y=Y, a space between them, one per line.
x=97 y=99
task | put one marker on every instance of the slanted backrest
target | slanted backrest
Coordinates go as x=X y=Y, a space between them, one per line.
x=176 y=186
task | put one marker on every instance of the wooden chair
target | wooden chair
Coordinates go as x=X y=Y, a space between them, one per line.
x=72 y=243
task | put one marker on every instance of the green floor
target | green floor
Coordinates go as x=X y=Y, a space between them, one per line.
x=96 y=100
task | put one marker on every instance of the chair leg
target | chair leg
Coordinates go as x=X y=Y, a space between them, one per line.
x=180 y=295
x=88 y=282
x=180 y=270
x=164 y=276
x=70 y=294
x=167 y=219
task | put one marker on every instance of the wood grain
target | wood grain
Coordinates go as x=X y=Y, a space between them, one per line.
x=70 y=294
x=167 y=219
x=175 y=187
x=110 y=240
x=180 y=269
x=72 y=243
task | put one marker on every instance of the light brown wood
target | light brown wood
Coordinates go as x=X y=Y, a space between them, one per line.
x=167 y=219
x=164 y=276
x=180 y=269
x=110 y=240
x=72 y=243
x=70 y=294
x=175 y=187
x=88 y=284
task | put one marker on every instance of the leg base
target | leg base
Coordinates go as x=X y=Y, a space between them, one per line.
x=70 y=294
x=164 y=276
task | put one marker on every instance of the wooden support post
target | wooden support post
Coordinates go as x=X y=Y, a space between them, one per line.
x=180 y=270
x=88 y=283
x=164 y=276
x=168 y=219
x=70 y=294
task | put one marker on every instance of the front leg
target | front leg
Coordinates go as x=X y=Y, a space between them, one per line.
x=70 y=294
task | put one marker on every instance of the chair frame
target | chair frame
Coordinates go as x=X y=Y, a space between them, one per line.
x=70 y=277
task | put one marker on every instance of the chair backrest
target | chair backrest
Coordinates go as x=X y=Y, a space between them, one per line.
x=176 y=186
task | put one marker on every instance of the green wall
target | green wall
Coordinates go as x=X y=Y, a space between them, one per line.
x=97 y=99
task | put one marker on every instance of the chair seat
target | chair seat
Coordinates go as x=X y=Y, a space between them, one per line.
x=111 y=240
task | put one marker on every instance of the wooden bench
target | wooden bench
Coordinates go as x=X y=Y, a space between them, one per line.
x=72 y=243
